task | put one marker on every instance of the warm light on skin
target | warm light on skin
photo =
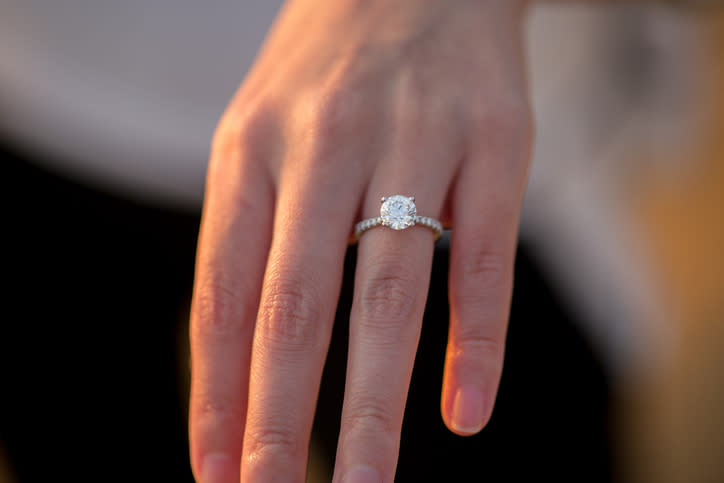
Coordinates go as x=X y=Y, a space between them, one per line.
x=364 y=67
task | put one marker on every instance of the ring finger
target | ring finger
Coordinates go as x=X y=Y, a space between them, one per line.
x=392 y=278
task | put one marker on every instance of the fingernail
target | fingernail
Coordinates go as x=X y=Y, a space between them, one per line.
x=362 y=474
x=468 y=411
x=217 y=468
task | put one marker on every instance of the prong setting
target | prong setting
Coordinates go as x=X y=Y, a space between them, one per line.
x=398 y=212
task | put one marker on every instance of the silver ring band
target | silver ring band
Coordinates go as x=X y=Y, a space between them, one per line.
x=398 y=212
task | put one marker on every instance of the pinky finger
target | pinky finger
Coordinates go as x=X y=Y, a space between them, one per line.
x=480 y=286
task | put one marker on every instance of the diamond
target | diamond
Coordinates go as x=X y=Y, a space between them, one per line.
x=398 y=212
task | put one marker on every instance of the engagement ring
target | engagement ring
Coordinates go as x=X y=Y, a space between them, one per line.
x=398 y=212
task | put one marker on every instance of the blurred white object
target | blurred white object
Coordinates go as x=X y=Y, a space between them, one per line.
x=126 y=95
x=608 y=84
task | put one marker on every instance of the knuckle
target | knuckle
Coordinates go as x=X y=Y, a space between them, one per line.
x=505 y=127
x=215 y=311
x=271 y=442
x=507 y=121
x=388 y=294
x=225 y=137
x=508 y=109
x=289 y=313
x=224 y=149
x=369 y=415
x=483 y=269
x=477 y=342
x=332 y=112
x=223 y=412
x=338 y=101
x=480 y=291
x=242 y=130
x=256 y=123
x=515 y=113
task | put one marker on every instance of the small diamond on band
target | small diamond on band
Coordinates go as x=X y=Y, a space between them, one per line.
x=398 y=212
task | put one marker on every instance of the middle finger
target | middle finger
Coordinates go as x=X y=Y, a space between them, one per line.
x=297 y=306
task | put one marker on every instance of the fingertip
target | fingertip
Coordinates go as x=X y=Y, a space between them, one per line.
x=468 y=411
x=218 y=468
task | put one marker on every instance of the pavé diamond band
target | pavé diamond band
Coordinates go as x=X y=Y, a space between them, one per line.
x=398 y=212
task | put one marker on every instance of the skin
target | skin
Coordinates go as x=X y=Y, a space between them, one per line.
x=347 y=103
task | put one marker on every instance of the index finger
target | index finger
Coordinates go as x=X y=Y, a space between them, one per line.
x=234 y=240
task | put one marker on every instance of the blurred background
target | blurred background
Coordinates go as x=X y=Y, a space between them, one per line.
x=616 y=344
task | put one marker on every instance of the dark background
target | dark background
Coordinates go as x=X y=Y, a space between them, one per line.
x=94 y=354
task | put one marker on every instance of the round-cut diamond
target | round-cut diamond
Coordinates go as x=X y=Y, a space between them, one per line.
x=398 y=212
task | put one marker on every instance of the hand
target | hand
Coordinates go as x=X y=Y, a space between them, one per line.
x=350 y=101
